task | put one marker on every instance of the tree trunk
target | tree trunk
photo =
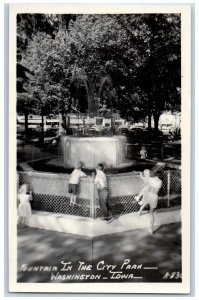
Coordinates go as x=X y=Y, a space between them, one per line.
x=91 y=105
x=113 y=125
x=26 y=123
x=149 y=120
x=64 y=122
x=91 y=97
x=156 y=117
x=90 y=91
x=42 y=127
x=67 y=123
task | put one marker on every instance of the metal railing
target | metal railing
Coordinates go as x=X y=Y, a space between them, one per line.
x=50 y=192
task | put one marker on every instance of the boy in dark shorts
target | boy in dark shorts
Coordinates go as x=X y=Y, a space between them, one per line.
x=74 y=183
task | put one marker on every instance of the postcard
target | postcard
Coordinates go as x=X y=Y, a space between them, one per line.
x=99 y=148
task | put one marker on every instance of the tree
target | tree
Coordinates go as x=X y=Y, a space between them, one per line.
x=158 y=76
x=28 y=25
x=102 y=54
x=50 y=85
x=129 y=63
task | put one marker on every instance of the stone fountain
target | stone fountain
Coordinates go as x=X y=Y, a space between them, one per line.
x=93 y=150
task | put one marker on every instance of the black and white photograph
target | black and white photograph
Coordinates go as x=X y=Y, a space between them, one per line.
x=99 y=119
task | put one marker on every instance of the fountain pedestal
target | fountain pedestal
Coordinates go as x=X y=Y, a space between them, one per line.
x=93 y=150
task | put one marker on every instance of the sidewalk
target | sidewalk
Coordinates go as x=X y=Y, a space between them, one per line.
x=162 y=251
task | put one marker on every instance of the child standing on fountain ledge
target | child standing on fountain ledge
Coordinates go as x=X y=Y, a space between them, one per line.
x=152 y=185
x=74 y=183
x=145 y=186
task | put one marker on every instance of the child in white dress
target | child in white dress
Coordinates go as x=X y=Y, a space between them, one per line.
x=150 y=198
x=145 y=186
x=24 y=209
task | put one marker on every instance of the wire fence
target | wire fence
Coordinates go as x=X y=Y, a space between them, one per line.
x=50 y=193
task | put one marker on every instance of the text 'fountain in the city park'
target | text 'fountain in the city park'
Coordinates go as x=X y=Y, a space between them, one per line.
x=109 y=150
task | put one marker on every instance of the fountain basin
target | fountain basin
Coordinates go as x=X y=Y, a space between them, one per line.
x=93 y=150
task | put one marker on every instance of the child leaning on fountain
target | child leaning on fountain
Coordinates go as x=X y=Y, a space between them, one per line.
x=74 y=183
x=102 y=187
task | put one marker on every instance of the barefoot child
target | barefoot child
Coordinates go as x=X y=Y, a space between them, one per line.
x=146 y=178
x=145 y=186
x=24 y=209
x=74 y=183
x=150 y=197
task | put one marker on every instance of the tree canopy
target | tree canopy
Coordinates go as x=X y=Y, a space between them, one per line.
x=126 y=63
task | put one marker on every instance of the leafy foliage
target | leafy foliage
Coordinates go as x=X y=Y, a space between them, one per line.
x=126 y=63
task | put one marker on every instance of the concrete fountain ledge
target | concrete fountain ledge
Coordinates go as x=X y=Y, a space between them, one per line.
x=96 y=227
x=93 y=150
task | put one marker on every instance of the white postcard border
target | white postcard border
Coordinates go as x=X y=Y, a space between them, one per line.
x=166 y=288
